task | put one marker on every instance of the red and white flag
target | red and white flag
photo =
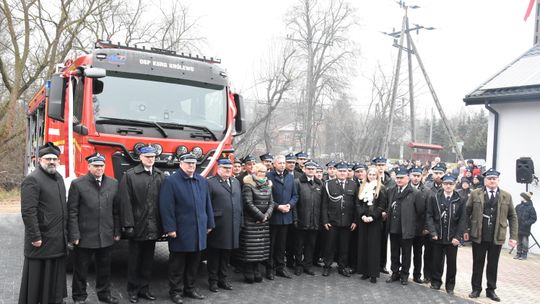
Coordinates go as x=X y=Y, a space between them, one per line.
x=529 y=9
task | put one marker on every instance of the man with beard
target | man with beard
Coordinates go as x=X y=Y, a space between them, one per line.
x=138 y=196
x=45 y=237
x=380 y=162
x=422 y=237
x=404 y=206
x=94 y=226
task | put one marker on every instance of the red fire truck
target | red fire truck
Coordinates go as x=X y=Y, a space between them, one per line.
x=118 y=98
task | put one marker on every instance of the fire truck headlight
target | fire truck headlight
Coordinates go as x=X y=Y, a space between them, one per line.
x=137 y=147
x=181 y=150
x=197 y=151
x=159 y=149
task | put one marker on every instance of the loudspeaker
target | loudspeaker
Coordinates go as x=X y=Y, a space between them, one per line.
x=524 y=170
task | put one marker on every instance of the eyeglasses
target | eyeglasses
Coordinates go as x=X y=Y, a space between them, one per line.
x=50 y=159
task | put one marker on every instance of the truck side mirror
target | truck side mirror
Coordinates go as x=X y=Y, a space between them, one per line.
x=95 y=72
x=56 y=90
x=239 y=122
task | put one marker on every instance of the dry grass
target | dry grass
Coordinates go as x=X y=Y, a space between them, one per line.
x=10 y=201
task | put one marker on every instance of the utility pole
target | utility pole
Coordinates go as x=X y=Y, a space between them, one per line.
x=411 y=84
x=449 y=131
x=536 y=23
x=388 y=134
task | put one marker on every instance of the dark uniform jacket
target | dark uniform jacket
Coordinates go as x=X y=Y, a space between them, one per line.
x=526 y=217
x=412 y=207
x=185 y=208
x=44 y=213
x=506 y=215
x=93 y=216
x=339 y=204
x=454 y=212
x=227 y=206
x=139 y=202
x=387 y=181
x=307 y=213
x=425 y=195
x=283 y=193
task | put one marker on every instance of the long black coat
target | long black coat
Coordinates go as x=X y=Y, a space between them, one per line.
x=139 y=202
x=412 y=206
x=93 y=216
x=255 y=235
x=424 y=195
x=307 y=212
x=526 y=217
x=457 y=221
x=337 y=211
x=369 y=234
x=227 y=205
x=44 y=213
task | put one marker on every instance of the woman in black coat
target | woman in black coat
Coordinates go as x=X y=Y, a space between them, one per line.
x=369 y=207
x=255 y=233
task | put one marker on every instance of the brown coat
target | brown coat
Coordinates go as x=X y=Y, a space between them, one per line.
x=506 y=214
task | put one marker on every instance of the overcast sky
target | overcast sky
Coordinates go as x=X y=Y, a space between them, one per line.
x=473 y=40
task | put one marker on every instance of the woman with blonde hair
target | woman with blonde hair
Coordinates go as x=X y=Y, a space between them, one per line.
x=255 y=232
x=370 y=205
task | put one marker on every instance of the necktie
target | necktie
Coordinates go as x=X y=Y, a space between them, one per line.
x=448 y=198
x=229 y=183
x=342 y=184
x=98 y=182
x=492 y=195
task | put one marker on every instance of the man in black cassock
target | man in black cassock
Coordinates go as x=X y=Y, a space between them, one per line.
x=43 y=209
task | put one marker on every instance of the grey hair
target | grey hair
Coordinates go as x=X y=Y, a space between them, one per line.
x=279 y=158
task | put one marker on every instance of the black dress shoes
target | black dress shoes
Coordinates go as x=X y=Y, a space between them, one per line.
x=270 y=275
x=283 y=273
x=194 y=294
x=404 y=281
x=298 y=270
x=384 y=270
x=493 y=296
x=326 y=271
x=364 y=277
x=373 y=280
x=108 y=299
x=213 y=287
x=393 y=278
x=309 y=271
x=450 y=292
x=474 y=294
x=147 y=296
x=434 y=287
x=177 y=299
x=344 y=272
x=227 y=286
x=418 y=280
x=134 y=299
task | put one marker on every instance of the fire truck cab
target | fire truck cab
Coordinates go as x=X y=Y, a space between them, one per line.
x=118 y=98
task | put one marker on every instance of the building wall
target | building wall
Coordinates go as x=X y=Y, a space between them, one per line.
x=519 y=136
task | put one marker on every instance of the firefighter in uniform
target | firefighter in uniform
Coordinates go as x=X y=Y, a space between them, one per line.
x=388 y=183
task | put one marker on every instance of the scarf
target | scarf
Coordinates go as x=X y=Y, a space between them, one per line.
x=368 y=194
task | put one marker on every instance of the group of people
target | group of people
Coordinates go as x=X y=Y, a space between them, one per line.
x=259 y=217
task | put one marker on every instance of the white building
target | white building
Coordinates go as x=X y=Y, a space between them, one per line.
x=512 y=97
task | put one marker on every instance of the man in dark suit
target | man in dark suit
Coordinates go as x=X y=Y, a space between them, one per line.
x=381 y=163
x=226 y=197
x=93 y=227
x=187 y=217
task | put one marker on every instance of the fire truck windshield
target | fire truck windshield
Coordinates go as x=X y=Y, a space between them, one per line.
x=167 y=103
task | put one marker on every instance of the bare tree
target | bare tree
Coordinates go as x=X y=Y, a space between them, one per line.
x=321 y=35
x=276 y=81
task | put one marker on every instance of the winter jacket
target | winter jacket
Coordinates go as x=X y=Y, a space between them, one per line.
x=93 y=215
x=255 y=234
x=506 y=215
x=412 y=206
x=185 y=208
x=307 y=213
x=526 y=217
x=139 y=202
x=457 y=217
x=283 y=193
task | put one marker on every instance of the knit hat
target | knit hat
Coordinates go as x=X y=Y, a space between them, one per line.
x=526 y=195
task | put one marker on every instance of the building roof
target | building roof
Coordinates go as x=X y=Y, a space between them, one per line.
x=519 y=81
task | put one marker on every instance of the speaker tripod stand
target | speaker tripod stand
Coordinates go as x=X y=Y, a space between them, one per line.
x=535 y=244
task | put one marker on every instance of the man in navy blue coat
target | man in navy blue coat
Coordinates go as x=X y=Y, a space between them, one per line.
x=285 y=197
x=187 y=217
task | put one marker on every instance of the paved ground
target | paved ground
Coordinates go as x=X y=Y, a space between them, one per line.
x=518 y=281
